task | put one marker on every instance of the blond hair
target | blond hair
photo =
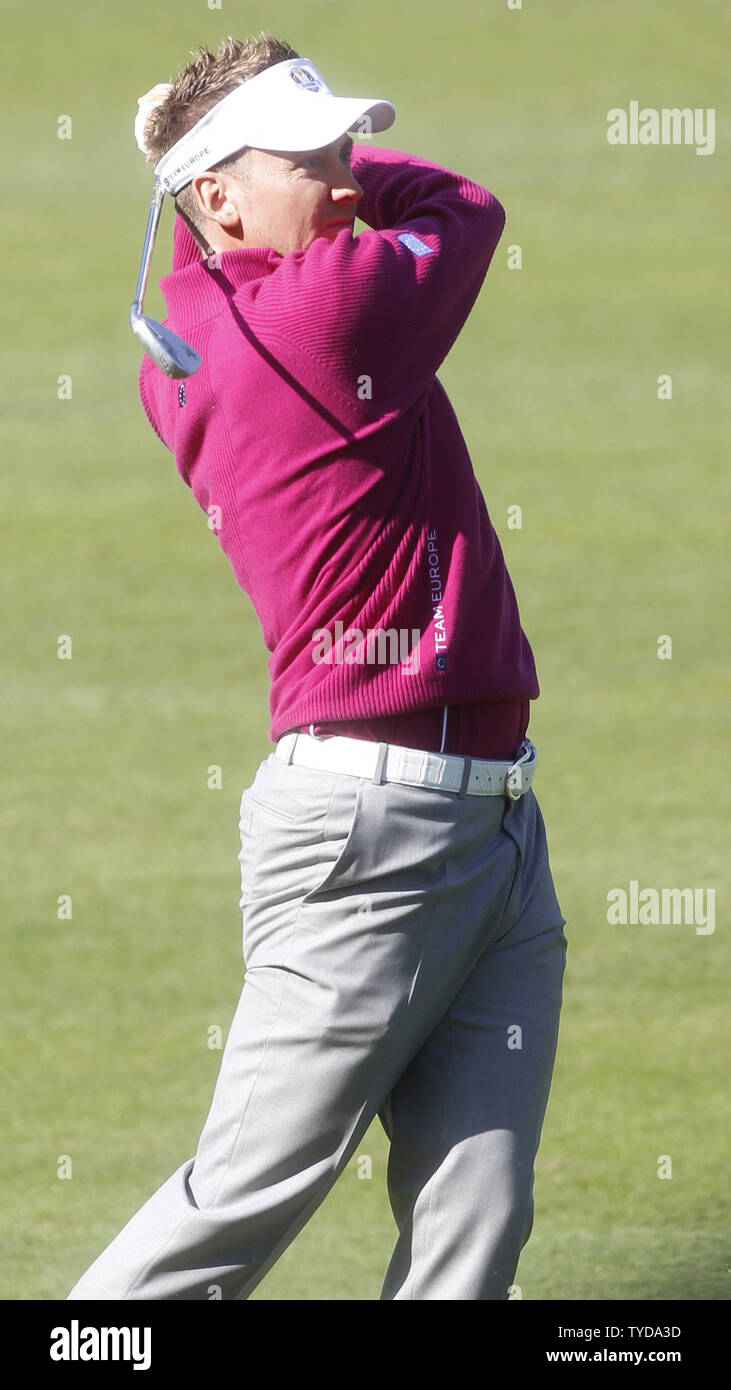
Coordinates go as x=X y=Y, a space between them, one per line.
x=197 y=87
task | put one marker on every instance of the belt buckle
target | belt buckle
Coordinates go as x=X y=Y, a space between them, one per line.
x=514 y=775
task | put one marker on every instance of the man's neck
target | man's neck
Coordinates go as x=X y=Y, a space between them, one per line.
x=205 y=249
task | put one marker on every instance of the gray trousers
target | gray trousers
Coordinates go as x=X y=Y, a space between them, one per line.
x=404 y=953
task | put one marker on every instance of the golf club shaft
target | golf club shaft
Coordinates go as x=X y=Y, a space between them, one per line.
x=153 y=218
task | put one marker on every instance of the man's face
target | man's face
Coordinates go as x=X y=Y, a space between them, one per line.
x=285 y=200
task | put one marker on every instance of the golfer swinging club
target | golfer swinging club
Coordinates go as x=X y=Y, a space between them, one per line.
x=403 y=943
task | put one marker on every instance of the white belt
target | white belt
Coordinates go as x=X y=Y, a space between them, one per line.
x=389 y=762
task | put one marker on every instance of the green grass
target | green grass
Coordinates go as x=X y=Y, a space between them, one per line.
x=554 y=380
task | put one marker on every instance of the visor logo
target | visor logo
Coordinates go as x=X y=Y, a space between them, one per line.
x=304 y=78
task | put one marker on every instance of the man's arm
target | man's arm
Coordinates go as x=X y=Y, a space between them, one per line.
x=390 y=302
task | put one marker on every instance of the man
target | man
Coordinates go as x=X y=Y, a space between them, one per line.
x=404 y=946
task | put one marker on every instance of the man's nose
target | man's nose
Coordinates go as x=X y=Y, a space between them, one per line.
x=346 y=189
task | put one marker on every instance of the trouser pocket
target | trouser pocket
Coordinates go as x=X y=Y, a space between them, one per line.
x=535 y=903
x=298 y=833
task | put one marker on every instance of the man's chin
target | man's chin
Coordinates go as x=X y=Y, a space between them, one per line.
x=332 y=232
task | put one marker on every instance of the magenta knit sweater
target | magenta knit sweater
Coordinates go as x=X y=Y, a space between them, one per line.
x=325 y=452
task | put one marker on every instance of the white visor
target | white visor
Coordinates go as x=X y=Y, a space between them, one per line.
x=288 y=106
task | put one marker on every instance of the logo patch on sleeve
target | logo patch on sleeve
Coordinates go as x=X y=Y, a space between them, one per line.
x=415 y=244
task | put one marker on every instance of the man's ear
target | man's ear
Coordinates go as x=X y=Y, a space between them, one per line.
x=213 y=198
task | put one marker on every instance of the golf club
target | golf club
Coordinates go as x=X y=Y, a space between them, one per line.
x=172 y=355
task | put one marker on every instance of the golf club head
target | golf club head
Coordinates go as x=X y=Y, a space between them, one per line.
x=171 y=354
